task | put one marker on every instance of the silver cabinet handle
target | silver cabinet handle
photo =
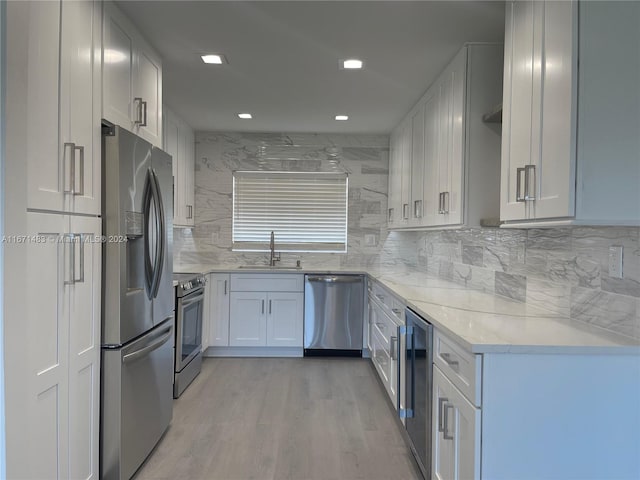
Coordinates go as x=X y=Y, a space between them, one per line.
x=449 y=361
x=417 y=209
x=441 y=402
x=519 y=197
x=138 y=120
x=529 y=172
x=269 y=306
x=445 y=433
x=72 y=239
x=390 y=214
x=144 y=114
x=225 y=287
x=446 y=202
x=405 y=211
x=81 y=239
x=380 y=297
x=72 y=168
x=190 y=211
x=380 y=325
x=441 y=203
x=263 y=307
x=81 y=192
x=396 y=311
x=393 y=348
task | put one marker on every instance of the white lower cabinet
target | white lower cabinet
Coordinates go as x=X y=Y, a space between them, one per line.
x=455 y=432
x=266 y=310
x=216 y=324
x=63 y=355
x=260 y=319
x=384 y=341
x=533 y=415
x=284 y=314
x=248 y=325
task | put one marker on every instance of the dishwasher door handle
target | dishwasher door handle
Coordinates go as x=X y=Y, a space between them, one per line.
x=335 y=279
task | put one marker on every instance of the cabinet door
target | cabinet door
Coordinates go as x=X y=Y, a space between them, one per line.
x=430 y=184
x=147 y=89
x=553 y=181
x=284 y=319
x=84 y=347
x=517 y=107
x=80 y=107
x=47 y=352
x=451 y=141
x=405 y=172
x=118 y=53
x=417 y=166
x=44 y=155
x=247 y=319
x=394 y=212
x=171 y=131
x=219 y=310
x=455 y=432
x=456 y=77
x=189 y=176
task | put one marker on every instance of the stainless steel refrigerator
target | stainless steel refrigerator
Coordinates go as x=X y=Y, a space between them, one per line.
x=138 y=301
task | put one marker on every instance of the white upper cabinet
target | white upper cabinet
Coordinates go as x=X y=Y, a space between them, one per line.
x=571 y=114
x=132 y=77
x=179 y=142
x=448 y=159
x=63 y=106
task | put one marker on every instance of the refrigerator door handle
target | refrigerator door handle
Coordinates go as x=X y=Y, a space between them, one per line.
x=161 y=234
x=146 y=211
x=157 y=343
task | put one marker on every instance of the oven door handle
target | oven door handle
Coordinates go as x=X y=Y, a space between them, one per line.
x=149 y=348
x=186 y=301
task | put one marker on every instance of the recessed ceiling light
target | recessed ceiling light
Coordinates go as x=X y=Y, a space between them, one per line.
x=214 y=58
x=351 y=64
x=245 y=115
x=342 y=117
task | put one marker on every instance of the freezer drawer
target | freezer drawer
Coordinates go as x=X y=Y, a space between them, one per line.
x=137 y=406
x=333 y=313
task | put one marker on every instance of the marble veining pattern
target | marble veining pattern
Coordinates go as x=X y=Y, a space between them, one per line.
x=363 y=157
x=560 y=270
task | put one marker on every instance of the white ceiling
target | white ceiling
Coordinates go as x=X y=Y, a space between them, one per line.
x=283 y=58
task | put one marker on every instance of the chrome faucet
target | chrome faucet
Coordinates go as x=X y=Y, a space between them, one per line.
x=275 y=257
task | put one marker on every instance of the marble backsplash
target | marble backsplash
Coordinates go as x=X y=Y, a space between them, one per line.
x=364 y=157
x=563 y=270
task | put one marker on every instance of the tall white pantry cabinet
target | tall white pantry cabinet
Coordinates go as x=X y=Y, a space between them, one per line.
x=54 y=51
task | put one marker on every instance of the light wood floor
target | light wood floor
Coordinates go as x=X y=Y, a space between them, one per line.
x=297 y=419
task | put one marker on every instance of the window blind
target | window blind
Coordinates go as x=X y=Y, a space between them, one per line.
x=307 y=211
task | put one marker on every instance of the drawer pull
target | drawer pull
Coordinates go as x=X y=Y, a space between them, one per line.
x=380 y=325
x=441 y=401
x=445 y=433
x=393 y=348
x=452 y=363
x=396 y=311
x=380 y=297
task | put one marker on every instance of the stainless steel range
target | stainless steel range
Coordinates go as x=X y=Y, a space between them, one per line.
x=189 y=314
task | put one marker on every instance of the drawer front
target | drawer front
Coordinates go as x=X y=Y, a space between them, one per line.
x=381 y=359
x=261 y=282
x=391 y=305
x=462 y=368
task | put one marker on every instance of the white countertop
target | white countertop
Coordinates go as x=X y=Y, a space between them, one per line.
x=478 y=321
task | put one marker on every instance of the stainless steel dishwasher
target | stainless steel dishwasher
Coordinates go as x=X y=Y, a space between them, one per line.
x=333 y=315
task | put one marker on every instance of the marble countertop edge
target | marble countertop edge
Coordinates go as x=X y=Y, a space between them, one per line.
x=480 y=322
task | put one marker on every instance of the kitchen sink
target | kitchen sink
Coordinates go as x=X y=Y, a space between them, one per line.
x=268 y=267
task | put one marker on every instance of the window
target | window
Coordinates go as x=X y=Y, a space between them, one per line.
x=307 y=211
